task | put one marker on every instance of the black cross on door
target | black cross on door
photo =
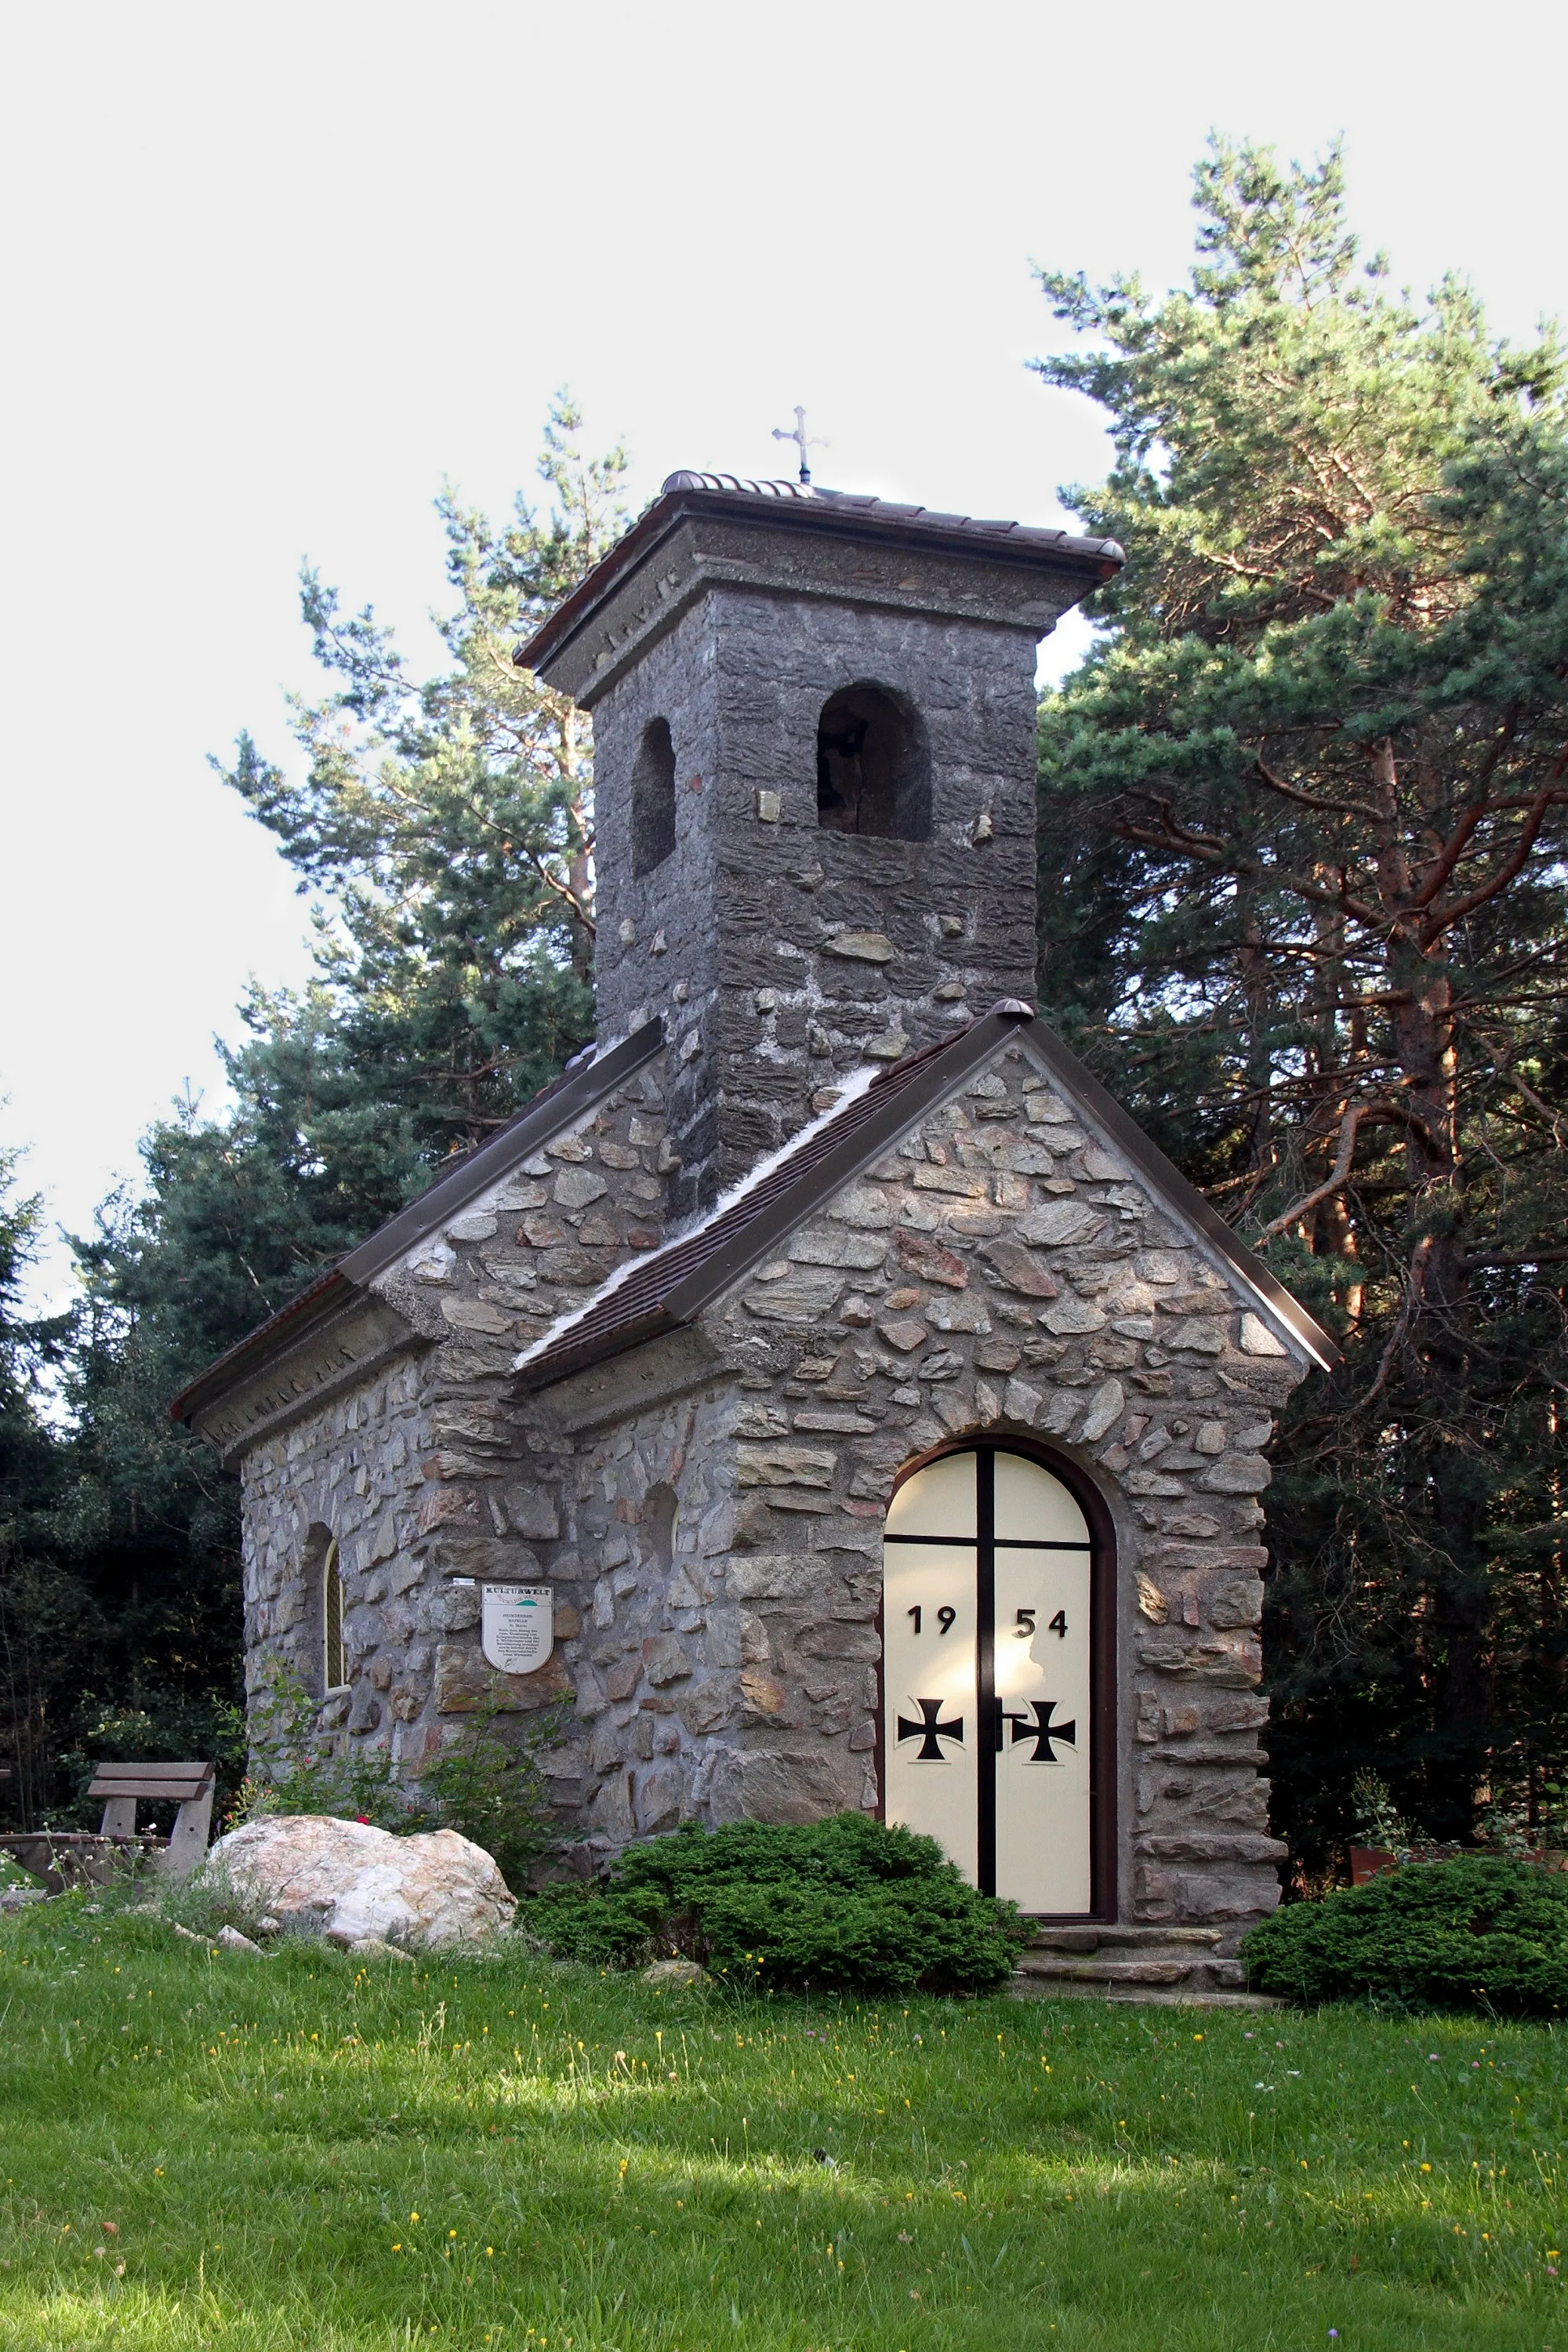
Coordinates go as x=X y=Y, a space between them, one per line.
x=1042 y=1731
x=995 y=1630
x=929 y=1730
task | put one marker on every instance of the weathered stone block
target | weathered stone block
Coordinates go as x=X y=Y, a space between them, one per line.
x=798 y=1297
x=476 y=1315
x=1073 y=1315
x=785 y=1466
x=1233 y=1601
x=576 y=1187
x=656 y=1803
x=929 y=1261
x=709 y=1705
x=464 y=1679
x=1237 y=1661
x=763 y=1697
x=665 y=1660
x=1237 y=1474
x=784 y=1784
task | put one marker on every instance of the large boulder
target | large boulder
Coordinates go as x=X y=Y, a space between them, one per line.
x=346 y=1880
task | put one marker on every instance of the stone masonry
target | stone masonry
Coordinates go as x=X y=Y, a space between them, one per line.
x=705 y=1491
x=716 y=1553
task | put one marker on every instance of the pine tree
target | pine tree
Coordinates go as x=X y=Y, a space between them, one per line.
x=1303 y=819
x=450 y=825
x=444 y=831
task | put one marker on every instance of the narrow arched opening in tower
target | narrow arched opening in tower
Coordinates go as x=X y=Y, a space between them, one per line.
x=873 y=769
x=652 y=799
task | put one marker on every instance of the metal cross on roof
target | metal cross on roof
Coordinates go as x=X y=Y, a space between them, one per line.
x=804 y=442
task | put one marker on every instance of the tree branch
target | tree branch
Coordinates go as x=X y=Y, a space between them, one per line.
x=1354 y=1114
x=1311 y=800
x=1446 y=919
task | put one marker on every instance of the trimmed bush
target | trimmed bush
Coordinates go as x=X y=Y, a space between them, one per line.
x=846 y=1905
x=1476 y=1933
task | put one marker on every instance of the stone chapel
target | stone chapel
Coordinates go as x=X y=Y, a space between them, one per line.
x=823 y=1389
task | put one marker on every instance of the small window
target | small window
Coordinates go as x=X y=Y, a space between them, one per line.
x=873 y=775
x=334 y=1658
x=652 y=799
x=660 y=1512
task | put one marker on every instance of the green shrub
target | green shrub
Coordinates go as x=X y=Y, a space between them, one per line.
x=493 y=1790
x=489 y=1788
x=1476 y=1933
x=842 y=1905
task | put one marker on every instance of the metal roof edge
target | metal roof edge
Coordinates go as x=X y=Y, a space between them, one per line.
x=1098 y=559
x=310 y=1307
x=1164 y=1176
x=567 y=1097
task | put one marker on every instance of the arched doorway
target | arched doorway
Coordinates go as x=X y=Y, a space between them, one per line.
x=998 y=1674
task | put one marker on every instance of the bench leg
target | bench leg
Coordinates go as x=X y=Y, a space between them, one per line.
x=188 y=1839
x=119 y=1818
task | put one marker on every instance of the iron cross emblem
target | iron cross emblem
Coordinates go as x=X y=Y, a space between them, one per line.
x=804 y=442
x=930 y=1731
x=1042 y=1731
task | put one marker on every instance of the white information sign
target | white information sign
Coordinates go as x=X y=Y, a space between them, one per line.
x=517 y=1628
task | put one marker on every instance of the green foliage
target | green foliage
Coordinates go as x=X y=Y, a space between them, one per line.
x=492 y=1789
x=449 y=828
x=639 y=2169
x=116 y=1559
x=487 y=1786
x=300 y=1770
x=845 y=1903
x=1304 y=813
x=1474 y=1933
x=445 y=833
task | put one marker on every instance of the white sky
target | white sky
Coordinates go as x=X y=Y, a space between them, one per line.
x=269 y=274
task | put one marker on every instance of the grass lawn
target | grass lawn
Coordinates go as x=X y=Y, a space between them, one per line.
x=295 y=2151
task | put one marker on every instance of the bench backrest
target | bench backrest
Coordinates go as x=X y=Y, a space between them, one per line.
x=176 y=1783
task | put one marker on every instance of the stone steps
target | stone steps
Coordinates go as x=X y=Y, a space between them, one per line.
x=1167 y=1965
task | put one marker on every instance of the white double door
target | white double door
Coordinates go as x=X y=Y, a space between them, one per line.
x=987 y=1691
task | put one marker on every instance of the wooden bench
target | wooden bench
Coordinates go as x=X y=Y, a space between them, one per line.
x=123 y=1787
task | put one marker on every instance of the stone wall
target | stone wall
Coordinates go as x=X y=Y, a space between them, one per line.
x=421 y=1473
x=709 y=1510
x=999 y=1271
x=780 y=954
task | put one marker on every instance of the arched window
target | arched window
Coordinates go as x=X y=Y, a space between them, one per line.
x=652 y=799
x=998 y=1674
x=659 y=1512
x=334 y=1658
x=873 y=771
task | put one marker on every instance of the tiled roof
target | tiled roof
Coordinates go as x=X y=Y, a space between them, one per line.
x=581 y=1084
x=662 y=1293
x=839 y=513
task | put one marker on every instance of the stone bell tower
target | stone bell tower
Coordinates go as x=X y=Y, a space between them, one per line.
x=814 y=725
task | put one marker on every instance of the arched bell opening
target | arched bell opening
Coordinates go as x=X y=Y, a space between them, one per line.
x=653 y=800
x=873 y=766
x=998 y=1732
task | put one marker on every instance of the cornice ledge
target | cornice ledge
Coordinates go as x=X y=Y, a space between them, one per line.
x=343 y=1349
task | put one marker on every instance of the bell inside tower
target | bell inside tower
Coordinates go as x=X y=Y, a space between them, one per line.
x=873 y=768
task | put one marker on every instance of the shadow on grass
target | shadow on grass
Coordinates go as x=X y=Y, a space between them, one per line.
x=304 y=2150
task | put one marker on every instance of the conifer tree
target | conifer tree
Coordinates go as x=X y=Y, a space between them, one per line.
x=444 y=832
x=1304 y=810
